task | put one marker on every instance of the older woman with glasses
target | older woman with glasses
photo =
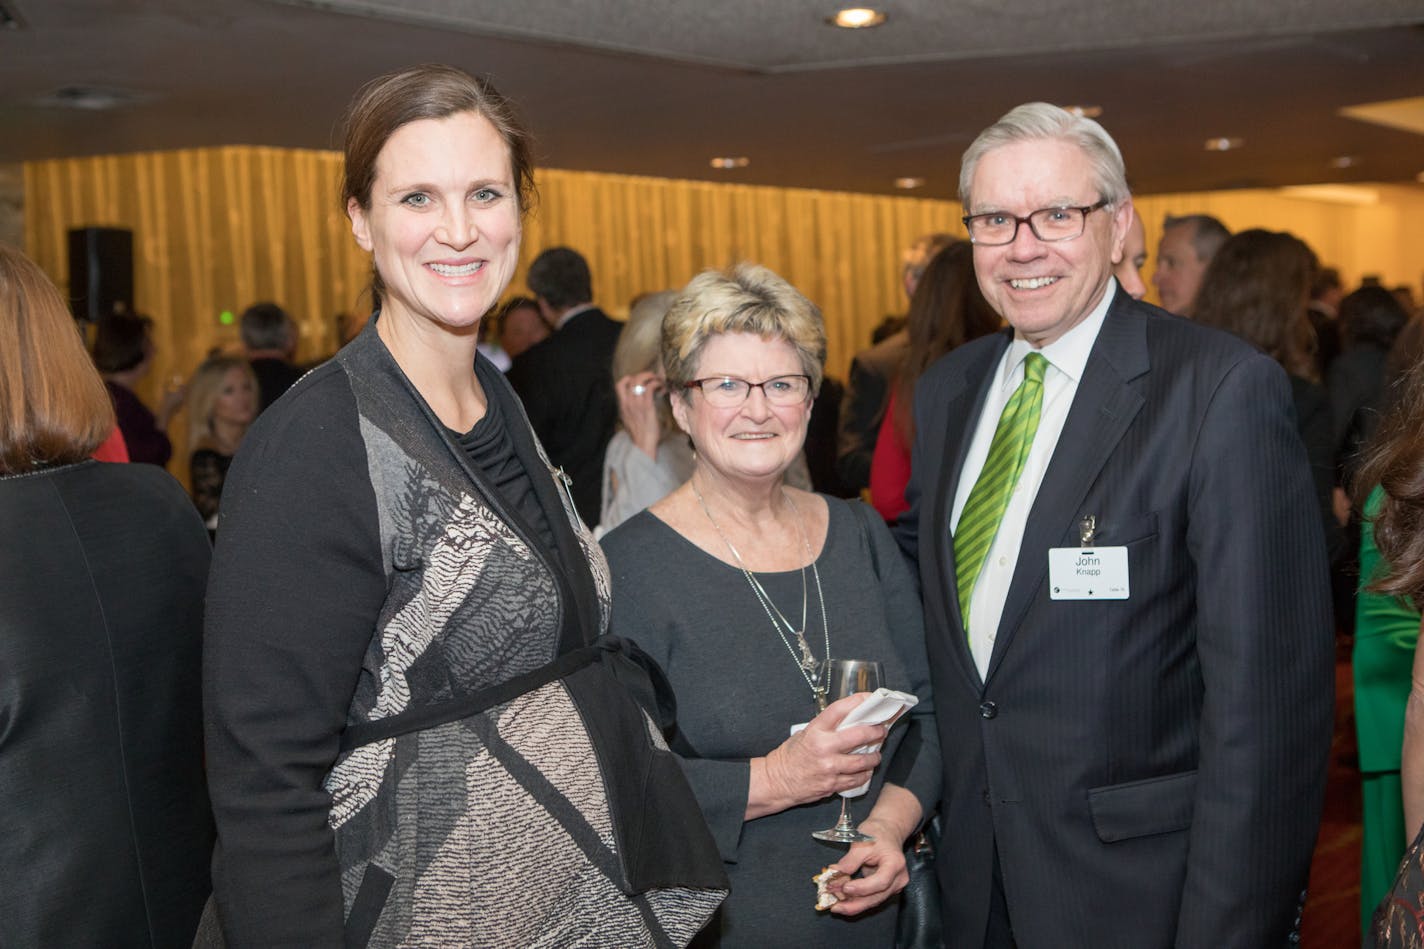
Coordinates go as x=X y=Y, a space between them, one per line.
x=738 y=585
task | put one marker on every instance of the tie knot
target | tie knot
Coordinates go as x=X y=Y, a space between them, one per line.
x=1035 y=365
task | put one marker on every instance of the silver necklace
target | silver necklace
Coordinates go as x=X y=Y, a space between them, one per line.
x=806 y=660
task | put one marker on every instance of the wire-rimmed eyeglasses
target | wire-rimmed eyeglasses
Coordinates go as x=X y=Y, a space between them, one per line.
x=725 y=392
x=995 y=228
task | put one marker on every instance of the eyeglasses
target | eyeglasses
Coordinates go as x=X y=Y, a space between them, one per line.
x=1048 y=224
x=725 y=392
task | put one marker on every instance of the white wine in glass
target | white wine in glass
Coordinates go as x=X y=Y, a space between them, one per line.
x=838 y=678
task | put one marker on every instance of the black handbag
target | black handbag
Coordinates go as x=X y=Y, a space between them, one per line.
x=919 y=924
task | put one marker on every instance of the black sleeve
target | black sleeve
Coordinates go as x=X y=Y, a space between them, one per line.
x=862 y=408
x=293 y=599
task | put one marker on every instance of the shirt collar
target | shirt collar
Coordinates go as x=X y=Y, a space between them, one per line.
x=570 y=314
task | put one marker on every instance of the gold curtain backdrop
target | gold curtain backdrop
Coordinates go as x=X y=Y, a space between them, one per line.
x=216 y=229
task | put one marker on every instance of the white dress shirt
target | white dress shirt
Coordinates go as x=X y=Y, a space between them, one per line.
x=1067 y=357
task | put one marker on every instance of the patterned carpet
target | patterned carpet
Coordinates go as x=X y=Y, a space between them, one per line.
x=1332 y=915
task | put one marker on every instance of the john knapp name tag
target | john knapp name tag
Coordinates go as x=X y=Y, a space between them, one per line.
x=1076 y=573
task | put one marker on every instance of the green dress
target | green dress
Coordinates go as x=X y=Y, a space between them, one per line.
x=1386 y=628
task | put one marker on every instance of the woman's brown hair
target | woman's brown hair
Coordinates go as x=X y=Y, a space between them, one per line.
x=389 y=102
x=1257 y=286
x=947 y=310
x=53 y=406
x=1394 y=461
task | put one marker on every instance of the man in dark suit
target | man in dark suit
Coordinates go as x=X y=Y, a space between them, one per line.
x=566 y=381
x=1136 y=718
x=269 y=340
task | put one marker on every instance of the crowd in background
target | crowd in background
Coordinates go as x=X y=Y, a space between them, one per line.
x=618 y=411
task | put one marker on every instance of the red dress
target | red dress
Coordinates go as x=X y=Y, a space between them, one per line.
x=889 y=466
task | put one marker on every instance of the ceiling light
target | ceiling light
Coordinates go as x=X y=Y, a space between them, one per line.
x=1223 y=144
x=740 y=161
x=857 y=18
x=1084 y=111
x=1344 y=161
x=909 y=184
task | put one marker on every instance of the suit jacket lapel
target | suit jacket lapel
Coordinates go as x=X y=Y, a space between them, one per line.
x=961 y=419
x=1105 y=404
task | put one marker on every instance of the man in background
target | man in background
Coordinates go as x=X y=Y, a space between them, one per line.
x=1128 y=270
x=1187 y=247
x=566 y=381
x=269 y=338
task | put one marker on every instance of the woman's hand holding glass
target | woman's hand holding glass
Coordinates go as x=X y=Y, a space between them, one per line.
x=896 y=815
x=815 y=763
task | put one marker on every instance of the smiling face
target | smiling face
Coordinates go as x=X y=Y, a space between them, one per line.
x=1043 y=289
x=756 y=440
x=443 y=225
x=236 y=403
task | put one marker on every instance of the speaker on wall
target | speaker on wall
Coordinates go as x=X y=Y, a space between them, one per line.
x=100 y=271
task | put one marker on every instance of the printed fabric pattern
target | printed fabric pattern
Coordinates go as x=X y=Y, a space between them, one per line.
x=493 y=830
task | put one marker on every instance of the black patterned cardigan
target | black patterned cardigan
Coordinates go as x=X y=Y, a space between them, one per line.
x=412 y=736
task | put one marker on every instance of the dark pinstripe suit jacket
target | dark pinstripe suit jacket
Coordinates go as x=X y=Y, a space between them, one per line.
x=1151 y=770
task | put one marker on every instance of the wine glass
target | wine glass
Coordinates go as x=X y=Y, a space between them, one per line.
x=837 y=679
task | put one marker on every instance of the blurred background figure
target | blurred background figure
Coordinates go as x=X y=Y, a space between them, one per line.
x=222 y=402
x=648 y=456
x=123 y=354
x=947 y=310
x=105 y=830
x=871 y=371
x=519 y=325
x=1187 y=246
x=1128 y=270
x=269 y=337
x=565 y=381
x=1388 y=692
x=1370 y=320
x=1323 y=311
x=1256 y=287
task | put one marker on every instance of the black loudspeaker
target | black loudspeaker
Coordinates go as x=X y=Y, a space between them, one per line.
x=100 y=271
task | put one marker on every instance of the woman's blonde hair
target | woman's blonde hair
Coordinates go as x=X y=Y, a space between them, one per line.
x=746 y=298
x=203 y=391
x=54 y=409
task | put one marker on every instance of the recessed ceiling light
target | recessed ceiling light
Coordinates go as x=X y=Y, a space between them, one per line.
x=1084 y=111
x=1223 y=144
x=857 y=18
x=1344 y=161
x=909 y=184
x=739 y=161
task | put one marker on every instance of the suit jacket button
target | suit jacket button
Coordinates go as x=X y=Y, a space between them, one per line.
x=988 y=710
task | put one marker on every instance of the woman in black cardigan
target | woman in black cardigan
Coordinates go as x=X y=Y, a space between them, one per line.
x=413 y=738
x=105 y=832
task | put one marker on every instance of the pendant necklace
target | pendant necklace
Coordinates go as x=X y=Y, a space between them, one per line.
x=801 y=653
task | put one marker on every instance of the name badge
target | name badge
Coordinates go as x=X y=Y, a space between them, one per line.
x=1076 y=573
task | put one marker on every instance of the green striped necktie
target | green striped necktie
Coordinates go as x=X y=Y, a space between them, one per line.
x=979 y=520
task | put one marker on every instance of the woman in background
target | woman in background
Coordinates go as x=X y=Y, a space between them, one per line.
x=1257 y=286
x=648 y=456
x=222 y=402
x=1396 y=464
x=947 y=310
x=105 y=833
x=123 y=353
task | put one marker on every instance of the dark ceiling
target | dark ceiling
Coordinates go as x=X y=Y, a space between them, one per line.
x=659 y=87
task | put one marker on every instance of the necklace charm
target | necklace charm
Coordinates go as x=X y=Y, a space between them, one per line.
x=808 y=660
